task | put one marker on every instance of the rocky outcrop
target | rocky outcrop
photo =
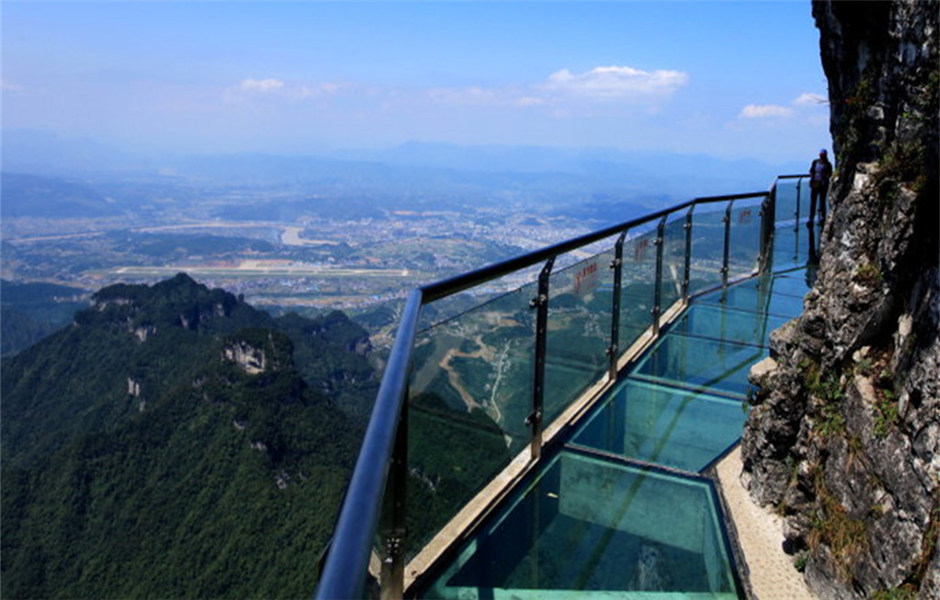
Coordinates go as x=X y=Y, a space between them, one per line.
x=251 y=360
x=844 y=434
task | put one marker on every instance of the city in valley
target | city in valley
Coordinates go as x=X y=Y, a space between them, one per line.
x=281 y=250
x=309 y=234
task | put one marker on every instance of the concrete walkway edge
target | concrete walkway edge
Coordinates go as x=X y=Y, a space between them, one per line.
x=772 y=575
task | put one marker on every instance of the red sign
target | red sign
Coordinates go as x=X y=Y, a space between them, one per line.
x=586 y=278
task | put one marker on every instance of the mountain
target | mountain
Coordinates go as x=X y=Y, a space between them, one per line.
x=37 y=196
x=46 y=153
x=175 y=442
x=418 y=174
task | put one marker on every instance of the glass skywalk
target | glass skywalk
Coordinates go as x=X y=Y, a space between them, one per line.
x=556 y=440
x=623 y=509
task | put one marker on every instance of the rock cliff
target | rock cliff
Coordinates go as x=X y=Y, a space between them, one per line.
x=844 y=434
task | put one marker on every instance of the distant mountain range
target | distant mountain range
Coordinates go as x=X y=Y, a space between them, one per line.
x=175 y=442
x=553 y=174
x=38 y=196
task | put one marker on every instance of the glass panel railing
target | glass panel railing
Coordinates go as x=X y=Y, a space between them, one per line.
x=470 y=394
x=579 y=322
x=795 y=244
x=673 y=271
x=638 y=285
x=792 y=202
x=707 y=246
x=744 y=249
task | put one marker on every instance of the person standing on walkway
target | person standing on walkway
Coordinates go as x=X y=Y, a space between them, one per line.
x=819 y=173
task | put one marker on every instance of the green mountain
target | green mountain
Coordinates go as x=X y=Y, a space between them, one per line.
x=175 y=442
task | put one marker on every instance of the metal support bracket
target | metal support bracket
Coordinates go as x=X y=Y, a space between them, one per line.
x=727 y=248
x=540 y=303
x=687 y=264
x=768 y=220
x=617 y=266
x=657 y=289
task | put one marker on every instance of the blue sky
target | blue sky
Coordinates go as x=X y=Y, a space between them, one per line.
x=730 y=79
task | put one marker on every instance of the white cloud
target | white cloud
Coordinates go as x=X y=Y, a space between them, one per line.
x=615 y=82
x=529 y=101
x=468 y=95
x=319 y=89
x=564 y=88
x=809 y=99
x=261 y=85
x=249 y=90
x=765 y=111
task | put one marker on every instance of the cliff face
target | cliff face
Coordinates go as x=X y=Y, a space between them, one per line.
x=844 y=435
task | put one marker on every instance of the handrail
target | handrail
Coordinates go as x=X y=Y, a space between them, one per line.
x=347 y=563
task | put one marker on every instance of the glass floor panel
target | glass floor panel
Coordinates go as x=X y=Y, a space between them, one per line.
x=663 y=425
x=791 y=245
x=791 y=285
x=724 y=323
x=589 y=524
x=752 y=299
x=700 y=363
x=796 y=284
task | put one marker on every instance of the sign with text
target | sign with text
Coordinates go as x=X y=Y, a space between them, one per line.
x=587 y=277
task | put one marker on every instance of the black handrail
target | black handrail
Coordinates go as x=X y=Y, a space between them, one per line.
x=346 y=566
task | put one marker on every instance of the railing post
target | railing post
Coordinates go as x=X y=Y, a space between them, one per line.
x=613 y=351
x=540 y=303
x=796 y=215
x=725 y=256
x=657 y=291
x=768 y=221
x=796 y=225
x=687 y=267
x=392 y=576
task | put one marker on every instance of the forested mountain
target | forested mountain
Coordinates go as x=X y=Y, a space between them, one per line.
x=175 y=442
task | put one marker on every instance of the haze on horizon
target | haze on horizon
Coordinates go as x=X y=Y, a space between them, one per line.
x=726 y=79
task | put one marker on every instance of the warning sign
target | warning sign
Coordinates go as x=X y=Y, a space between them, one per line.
x=586 y=278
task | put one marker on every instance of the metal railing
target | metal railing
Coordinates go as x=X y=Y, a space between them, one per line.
x=375 y=498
